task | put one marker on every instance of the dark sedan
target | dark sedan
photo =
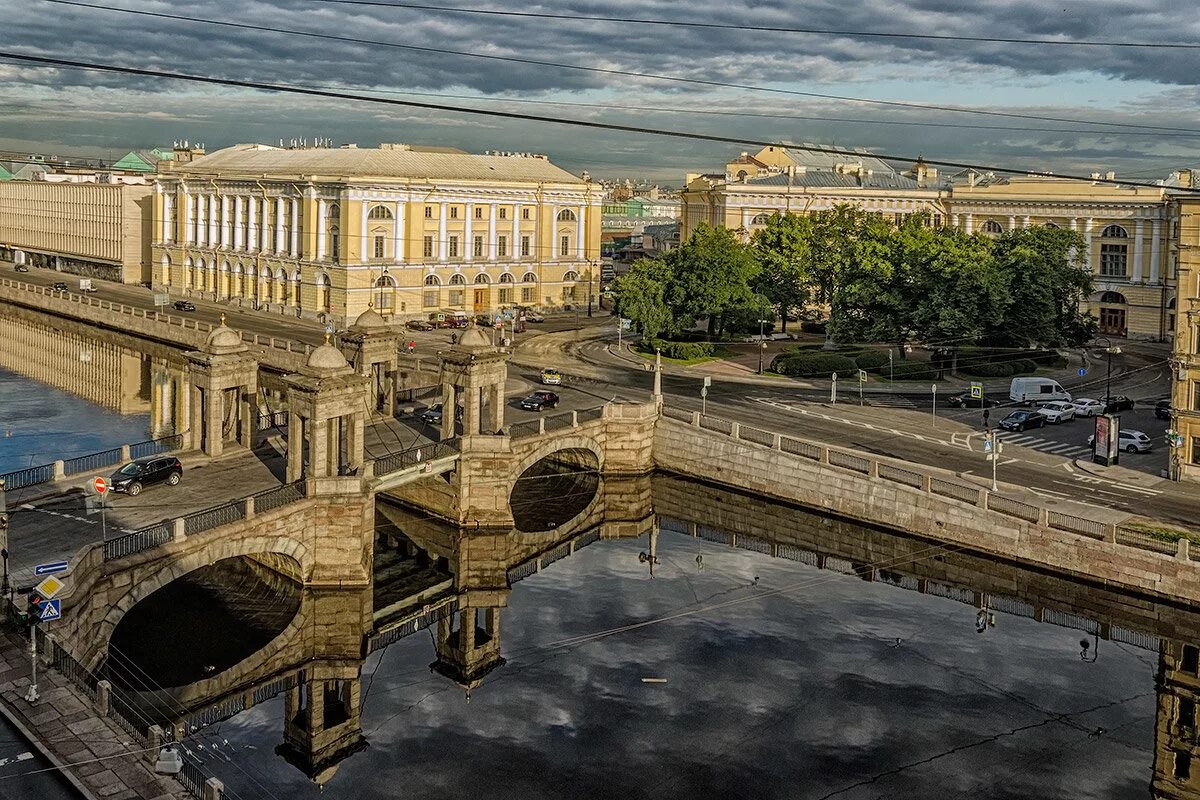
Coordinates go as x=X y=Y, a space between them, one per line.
x=418 y=325
x=1162 y=409
x=135 y=475
x=184 y=305
x=1023 y=420
x=540 y=400
x=1116 y=404
x=965 y=400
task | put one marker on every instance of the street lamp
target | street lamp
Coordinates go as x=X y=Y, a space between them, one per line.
x=762 y=343
x=1111 y=351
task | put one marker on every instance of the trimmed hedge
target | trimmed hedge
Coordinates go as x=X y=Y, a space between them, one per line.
x=809 y=365
x=812 y=327
x=872 y=360
x=683 y=351
x=914 y=370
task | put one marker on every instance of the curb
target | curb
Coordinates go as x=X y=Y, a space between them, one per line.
x=61 y=766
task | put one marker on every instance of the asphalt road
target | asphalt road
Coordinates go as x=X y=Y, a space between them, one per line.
x=26 y=773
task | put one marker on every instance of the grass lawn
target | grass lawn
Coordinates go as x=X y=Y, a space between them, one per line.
x=720 y=354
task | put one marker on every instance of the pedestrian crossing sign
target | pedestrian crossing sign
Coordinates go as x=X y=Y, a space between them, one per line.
x=51 y=610
x=977 y=390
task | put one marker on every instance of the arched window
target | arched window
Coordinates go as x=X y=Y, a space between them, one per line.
x=1050 y=225
x=166 y=270
x=482 y=278
x=335 y=242
x=385 y=294
x=379 y=212
x=529 y=288
x=1114 y=256
x=760 y=219
x=281 y=287
x=571 y=276
x=1113 y=297
x=506 y=277
x=323 y=293
x=992 y=228
x=333 y=212
x=1114 y=232
x=566 y=215
x=529 y=278
x=458 y=280
x=433 y=280
x=741 y=176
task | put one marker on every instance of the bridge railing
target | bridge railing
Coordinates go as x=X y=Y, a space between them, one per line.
x=57 y=470
x=937 y=482
x=414 y=456
x=554 y=422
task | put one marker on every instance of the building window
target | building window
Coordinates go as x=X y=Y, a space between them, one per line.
x=524 y=213
x=477 y=247
x=335 y=244
x=478 y=212
x=1183 y=765
x=1185 y=714
x=992 y=228
x=1196 y=341
x=506 y=296
x=1191 y=655
x=1195 y=395
x=1114 y=259
x=760 y=219
x=458 y=298
x=453 y=212
x=502 y=245
x=379 y=246
x=528 y=294
x=564 y=246
x=524 y=245
x=566 y=215
x=503 y=213
x=453 y=247
x=429 y=298
x=1196 y=449
x=428 y=247
x=428 y=212
x=379 y=212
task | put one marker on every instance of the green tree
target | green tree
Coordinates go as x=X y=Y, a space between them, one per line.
x=875 y=296
x=962 y=293
x=1047 y=279
x=783 y=250
x=642 y=293
x=712 y=274
x=835 y=236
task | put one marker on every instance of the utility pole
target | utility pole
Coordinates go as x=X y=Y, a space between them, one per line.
x=762 y=343
x=3 y=539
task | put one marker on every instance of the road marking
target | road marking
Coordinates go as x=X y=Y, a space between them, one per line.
x=60 y=514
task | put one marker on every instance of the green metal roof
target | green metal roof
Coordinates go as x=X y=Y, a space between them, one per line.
x=5 y=175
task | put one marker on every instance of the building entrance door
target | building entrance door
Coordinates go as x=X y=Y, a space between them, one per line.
x=1112 y=321
x=481 y=300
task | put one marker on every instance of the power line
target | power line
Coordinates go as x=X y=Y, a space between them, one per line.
x=945 y=37
x=54 y=61
x=612 y=71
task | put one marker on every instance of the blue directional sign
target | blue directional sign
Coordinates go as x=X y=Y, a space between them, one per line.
x=51 y=610
x=52 y=568
x=1082 y=372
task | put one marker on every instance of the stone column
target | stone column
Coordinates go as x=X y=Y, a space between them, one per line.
x=294 y=248
x=251 y=223
x=195 y=419
x=247 y=417
x=168 y=217
x=968 y=223
x=469 y=234
x=515 y=247
x=265 y=242
x=1087 y=244
x=471 y=415
x=279 y=212
x=355 y=433
x=745 y=223
x=1137 y=250
x=492 y=233
x=215 y=441
x=443 y=239
x=1027 y=222
x=239 y=220
x=466 y=631
x=333 y=446
x=399 y=244
x=320 y=230
x=189 y=213
x=318 y=448
x=1012 y=222
x=364 y=247
x=1155 y=236
x=449 y=405
x=225 y=221
x=581 y=234
x=295 y=447
x=496 y=408
x=216 y=226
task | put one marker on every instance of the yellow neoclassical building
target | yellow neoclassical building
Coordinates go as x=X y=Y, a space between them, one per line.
x=1185 y=357
x=327 y=232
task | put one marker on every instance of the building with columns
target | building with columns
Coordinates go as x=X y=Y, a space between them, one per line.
x=1185 y=358
x=329 y=232
x=1127 y=231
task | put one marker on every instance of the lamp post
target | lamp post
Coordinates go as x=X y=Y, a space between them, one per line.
x=1110 y=351
x=762 y=343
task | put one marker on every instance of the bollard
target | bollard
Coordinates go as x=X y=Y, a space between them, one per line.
x=1110 y=533
x=124 y=452
x=541 y=425
x=103 y=698
x=1043 y=519
x=696 y=419
x=178 y=529
x=213 y=789
x=154 y=739
x=574 y=419
x=872 y=469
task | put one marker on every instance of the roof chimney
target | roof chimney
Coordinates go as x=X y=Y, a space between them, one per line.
x=1185 y=178
x=971 y=178
x=1110 y=176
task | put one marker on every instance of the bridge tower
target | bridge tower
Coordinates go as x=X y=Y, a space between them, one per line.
x=475 y=371
x=376 y=344
x=322 y=724
x=224 y=378
x=327 y=411
x=1177 y=747
x=468 y=641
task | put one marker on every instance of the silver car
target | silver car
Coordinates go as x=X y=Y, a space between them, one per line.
x=1131 y=442
x=1057 y=411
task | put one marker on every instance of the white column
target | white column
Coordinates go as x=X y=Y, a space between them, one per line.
x=492 y=233
x=1087 y=243
x=251 y=223
x=265 y=245
x=279 y=245
x=320 y=229
x=469 y=234
x=189 y=214
x=954 y=221
x=295 y=244
x=968 y=223
x=1137 y=250
x=514 y=247
x=398 y=244
x=1074 y=223
x=581 y=230
x=1027 y=222
x=443 y=239
x=239 y=210
x=1012 y=222
x=168 y=216
x=364 y=247
x=1155 y=226
x=745 y=220
x=201 y=233
x=224 y=220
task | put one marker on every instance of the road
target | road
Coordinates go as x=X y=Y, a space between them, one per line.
x=26 y=773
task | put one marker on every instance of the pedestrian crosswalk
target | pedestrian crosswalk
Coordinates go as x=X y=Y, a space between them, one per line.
x=1064 y=449
x=890 y=401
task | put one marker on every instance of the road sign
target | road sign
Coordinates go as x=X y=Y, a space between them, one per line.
x=704 y=391
x=1082 y=372
x=49 y=587
x=50 y=568
x=707 y=380
x=100 y=485
x=862 y=376
x=933 y=388
x=987 y=444
x=161 y=299
x=976 y=390
x=51 y=610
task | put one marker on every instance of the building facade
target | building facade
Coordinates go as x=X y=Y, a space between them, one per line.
x=1185 y=357
x=329 y=232
x=98 y=230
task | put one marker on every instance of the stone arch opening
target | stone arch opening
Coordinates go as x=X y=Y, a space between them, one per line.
x=555 y=488
x=203 y=622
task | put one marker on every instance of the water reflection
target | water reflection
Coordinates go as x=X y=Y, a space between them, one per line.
x=790 y=655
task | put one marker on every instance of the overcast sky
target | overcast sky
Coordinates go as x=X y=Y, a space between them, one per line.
x=64 y=110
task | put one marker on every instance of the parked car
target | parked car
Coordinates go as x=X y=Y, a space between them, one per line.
x=433 y=414
x=964 y=400
x=22 y=268
x=1116 y=404
x=1087 y=407
x=1162 y=409
x=1023 y=420
x=1130 y=441
x=184 y=305
x=551 y=377
x=533 y=316
x=540 y=400
x=418 y=325
x=142 y=472
x=485 y=320
x=59 y=286
x=1057 y=411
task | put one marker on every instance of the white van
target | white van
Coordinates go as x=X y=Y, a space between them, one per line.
x=1036 y=390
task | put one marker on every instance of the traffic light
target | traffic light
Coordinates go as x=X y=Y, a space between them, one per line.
x=33 y=610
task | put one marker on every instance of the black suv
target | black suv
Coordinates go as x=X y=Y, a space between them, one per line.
x=145 y=471
x=1162 y=409
x=1023 y=420
x=1116 y=404
x=59 y=286
x=184 y=305
x=539 y=400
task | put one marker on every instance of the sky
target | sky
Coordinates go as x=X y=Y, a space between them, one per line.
x=87 y=113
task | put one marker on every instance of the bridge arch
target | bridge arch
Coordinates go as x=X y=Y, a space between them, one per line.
x=556 y=483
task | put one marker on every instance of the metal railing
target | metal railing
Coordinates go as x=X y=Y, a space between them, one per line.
x=272 y=499
x=559 y=422
x=214 y=517
x=799 y=448
x=92 y=461
x=716 y=424
x=44 y=473
x=590 y=414
x=522 y=430
x=756 y=435
x=144 y=539
x=839 y=458
x=900 y=475
x=959 y=491
x=1013 y=508
x=414 y=456
x=1135 y=538
x=153 y=447
x=278 y=419
x=683 y=415
x=30 y=476
x=412 y=625
x=1069 y=522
